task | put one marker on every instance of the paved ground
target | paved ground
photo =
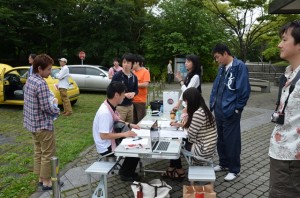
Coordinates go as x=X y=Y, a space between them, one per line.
x=254 y=178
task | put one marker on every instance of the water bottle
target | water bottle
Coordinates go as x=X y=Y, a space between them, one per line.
x=177 y=118
x=149 y=110
x=161 y=109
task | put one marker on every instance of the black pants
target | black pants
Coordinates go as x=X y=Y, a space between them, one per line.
x=129 y=165
x=170 y=78
x=177 y=163
x=284 y=178
x=229 y=140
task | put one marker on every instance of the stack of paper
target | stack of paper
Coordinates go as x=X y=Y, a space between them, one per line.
x=134 y=143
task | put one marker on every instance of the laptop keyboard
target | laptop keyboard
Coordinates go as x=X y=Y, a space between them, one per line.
x=163 y=146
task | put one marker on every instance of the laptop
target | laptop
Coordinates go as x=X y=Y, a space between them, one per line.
x=165 y=145
x=166 y=148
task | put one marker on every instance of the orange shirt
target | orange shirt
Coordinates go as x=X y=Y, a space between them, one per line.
x=143 y=75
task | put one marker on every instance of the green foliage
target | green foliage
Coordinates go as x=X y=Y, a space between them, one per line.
x=281 y=63
x=245 y=21
x=158 y=30
x=73 y=135
x=181 y=28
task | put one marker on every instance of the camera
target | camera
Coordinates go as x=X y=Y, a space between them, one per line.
x=277 y=118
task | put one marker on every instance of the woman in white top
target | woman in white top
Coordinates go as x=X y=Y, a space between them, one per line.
x=193 y=66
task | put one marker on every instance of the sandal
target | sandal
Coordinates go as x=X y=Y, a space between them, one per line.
x=173 y=174
x=169 y=173
x=179 y=176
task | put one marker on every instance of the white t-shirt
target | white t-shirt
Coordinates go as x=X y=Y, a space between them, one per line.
x=103 y=123
x=63 y=77
x=195 y=82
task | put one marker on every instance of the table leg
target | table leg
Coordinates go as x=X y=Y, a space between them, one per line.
x=89 y=184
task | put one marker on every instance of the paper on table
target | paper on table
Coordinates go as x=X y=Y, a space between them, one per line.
x=173 y=133
x=129 y=141
x=142 y=132
x=146 y=124
x=164 y=124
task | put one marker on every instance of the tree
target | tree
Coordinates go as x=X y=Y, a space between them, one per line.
x=245 y=21
x=181 y=27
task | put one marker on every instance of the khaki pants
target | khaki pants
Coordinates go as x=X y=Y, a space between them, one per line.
x=126 y=113
x=44 y=149
x=284 y=178
x=65 y=100
x=139 y=111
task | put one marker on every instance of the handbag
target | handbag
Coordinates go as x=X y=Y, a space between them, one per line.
x=119 y=127
x=206 y=191
x=156 y=188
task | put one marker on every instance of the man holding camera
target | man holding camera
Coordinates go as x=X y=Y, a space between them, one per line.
x=284 y=148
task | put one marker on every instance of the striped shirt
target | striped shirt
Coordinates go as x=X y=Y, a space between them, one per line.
x=203 y=136
x=38 y=110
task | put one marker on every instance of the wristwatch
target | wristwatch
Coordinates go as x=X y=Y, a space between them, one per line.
x=236 y=111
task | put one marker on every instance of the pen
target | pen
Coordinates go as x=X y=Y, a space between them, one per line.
x=176 y=127
x=138 y=138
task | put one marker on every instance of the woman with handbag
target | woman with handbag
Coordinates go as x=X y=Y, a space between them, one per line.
x=201 y=132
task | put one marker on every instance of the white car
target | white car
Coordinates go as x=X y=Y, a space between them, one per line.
x=89 y=77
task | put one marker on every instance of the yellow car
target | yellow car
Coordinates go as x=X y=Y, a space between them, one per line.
x=13 y=79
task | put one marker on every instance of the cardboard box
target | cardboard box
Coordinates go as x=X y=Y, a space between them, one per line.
x=170 y=98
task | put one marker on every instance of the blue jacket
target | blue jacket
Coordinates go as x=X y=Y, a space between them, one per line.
x=235 y=90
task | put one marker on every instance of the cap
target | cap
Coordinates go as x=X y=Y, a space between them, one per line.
x=63 y=59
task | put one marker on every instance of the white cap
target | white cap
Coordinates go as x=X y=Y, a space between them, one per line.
x=63 y=59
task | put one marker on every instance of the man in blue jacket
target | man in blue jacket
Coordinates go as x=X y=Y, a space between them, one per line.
x=229 y=95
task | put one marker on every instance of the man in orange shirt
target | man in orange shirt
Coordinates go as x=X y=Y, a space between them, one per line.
x=139 y=101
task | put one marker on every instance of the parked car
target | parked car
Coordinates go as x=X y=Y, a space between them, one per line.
x=13 y=79
x=89 y=77
x=103 y=68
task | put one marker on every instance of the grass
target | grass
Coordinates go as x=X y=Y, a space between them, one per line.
x=73 y=135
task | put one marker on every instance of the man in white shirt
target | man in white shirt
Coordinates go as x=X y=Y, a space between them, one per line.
x=63 y=86
x=170 y=72
x=103 y=134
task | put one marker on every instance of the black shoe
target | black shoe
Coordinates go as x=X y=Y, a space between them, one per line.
x=50 y=187
x=40 y=184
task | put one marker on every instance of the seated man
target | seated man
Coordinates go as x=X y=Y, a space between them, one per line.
x=103 y=134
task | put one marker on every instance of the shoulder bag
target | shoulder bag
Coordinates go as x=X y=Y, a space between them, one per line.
x=156 y=188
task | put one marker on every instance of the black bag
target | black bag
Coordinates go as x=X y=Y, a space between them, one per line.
x=119 y=127
x=155 y=105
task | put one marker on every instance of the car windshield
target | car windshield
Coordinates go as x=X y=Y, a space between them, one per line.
x=103 y=68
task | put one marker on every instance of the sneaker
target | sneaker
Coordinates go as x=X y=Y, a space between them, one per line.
x=219 y=168
x=231 y=176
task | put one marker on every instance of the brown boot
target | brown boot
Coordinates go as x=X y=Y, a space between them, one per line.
x=67 y=113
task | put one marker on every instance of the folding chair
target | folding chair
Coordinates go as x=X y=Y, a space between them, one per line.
x=204 y=172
